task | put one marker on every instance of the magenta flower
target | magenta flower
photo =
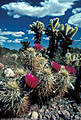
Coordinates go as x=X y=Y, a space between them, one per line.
x=31 y=80
x=55 y=66
x=38 y=47
x=71 y=70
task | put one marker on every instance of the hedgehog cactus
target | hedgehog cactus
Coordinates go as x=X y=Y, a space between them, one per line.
x=37 y=27
x=42 y=70
x=62 y=81
x=12 y=101
x=66 y=33
x=48 y=81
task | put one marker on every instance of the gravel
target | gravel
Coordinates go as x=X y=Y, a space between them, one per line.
x=56 y=109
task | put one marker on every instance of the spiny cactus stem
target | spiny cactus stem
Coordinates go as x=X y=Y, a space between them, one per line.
x=12 y=98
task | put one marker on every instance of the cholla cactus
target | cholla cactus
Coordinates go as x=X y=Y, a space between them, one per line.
x=37 y=27
x=68 y=57
x=13 y=101
x=52 y=32
x=67 y=32
x=25 y=45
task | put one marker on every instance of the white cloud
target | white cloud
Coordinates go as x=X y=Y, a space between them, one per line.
x=26 y=38
x=76 y=18
x=14 y=34
x=2 y=39
x=46 y=38
x=30 y=32
x=5 y=36
x=48 y=8
x=15 y=41
x=9 y=41
x=33 y=38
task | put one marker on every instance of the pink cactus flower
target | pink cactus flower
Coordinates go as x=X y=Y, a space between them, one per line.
x=38 y=47
x=31 y=80
x=71 y=70
x=55 y=66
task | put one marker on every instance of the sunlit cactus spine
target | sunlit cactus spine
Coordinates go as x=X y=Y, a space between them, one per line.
x=13 y=101
x=37 y=27
x=52 y=32
x=66 y=33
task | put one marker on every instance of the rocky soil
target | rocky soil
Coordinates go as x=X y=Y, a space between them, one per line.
x=56 y=109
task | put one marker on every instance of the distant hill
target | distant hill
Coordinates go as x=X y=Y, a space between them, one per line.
x=4 y=51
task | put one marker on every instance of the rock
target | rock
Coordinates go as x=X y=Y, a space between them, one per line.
x=29 y=114
x=48 y=117
x=34 y=115
x=53 y=117
x=40 y=116
x=66 y=114
x=1 y=65
x=41 y=110
x=9 y=72
x=79 y=109
x=34 y=107
x=77 y=117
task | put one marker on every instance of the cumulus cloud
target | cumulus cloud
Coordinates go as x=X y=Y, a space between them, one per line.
x=2 y=39
x=48 y=8
x=75 y=19
x=30 y=32
x=5 y=36
x=15 y=41
x=14 y=34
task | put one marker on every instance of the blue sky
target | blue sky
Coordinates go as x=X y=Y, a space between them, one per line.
x=16 y=15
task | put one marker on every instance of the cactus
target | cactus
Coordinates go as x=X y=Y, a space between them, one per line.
x=37 y=27
x=13 y=101
x=48 y=81
x=42 y=70
x=52 y=32
x=62 y=82
x=66 y=32
x=25 y=45
x=78 y=86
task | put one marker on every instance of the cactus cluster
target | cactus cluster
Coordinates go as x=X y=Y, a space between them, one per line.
x=48 y=81
x=59 y=35
x=37 y=27
x=72 y=58
x=13 y=101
